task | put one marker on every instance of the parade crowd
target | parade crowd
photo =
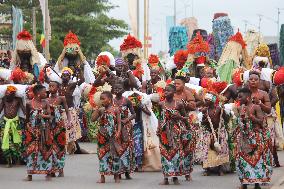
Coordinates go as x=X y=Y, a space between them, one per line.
x=150 y=114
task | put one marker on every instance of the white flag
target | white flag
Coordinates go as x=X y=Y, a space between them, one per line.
x=42 y=6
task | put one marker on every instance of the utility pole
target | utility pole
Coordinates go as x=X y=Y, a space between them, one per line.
x=246 y=24
x=46 y=28
x=34 y=25
x=259 y=21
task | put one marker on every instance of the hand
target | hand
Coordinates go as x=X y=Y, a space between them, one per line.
x=101 y=110
x=255 y=100
x=204 y=110
x=176 y=116
x=124 y=121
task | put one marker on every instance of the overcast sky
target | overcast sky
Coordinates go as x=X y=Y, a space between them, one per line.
x=203 y=10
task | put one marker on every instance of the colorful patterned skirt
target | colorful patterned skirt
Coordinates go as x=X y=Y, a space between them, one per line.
x=254 y=159
x=38 y=150
x=59 y=143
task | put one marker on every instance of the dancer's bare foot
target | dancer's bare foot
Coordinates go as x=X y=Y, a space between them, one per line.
x=8 y=165
x=61 y=173
x=165 y=182
x=48 y=177
x=102 y=180
x=206 y=173
x=116 y=178
x=139 y=169
x=175 y=181
x=257 y=186
x=127 y=176
x=188 y=178
x=28 y=178
x=221 y=173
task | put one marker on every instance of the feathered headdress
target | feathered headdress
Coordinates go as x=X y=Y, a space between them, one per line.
x=130 y=45
x=239 y=39
x=24 y=35
x=198 y=46
x=237 y=77
x=213 y=86
x=130 y=42
x=154 y=62
x=72 y=42
x=180 y=58
x=71 y=38
x=103 y=60
x=18 y=75
x=24 y=43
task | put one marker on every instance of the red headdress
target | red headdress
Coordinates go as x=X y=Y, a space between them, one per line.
x=103 y=60
x=237 y=77
x=217 y=15
x=198 y=45
x=239 y=39
x=278 y=76
x=213 y=86
x=130 y=42
x=24 y=35
x=71 y=38
x=153 y=61
x=180 y=58
x=18 y=75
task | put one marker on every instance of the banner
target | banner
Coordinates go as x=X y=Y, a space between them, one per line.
x=17 y=24
x=43 y=8
x=132 y=9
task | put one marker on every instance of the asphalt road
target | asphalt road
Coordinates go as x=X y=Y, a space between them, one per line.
x=81 y=172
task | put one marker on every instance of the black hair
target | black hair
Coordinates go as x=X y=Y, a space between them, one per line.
x=253 y=72
x=108 y=94
x=37 y=88
x=57 y=83
x=181 y=78
x=245 y=90
x=131 y=57
x=172 y=87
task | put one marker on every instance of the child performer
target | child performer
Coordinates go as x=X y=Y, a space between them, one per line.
x=253 y=161
x=169 y=131
x=108 y=137
x=38 y=142
x=57 y=103
x=10 y=131
x=215 y=140
x=127 y=157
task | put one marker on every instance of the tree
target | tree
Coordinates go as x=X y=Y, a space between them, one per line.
x=87 y=18
x=281 y=45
